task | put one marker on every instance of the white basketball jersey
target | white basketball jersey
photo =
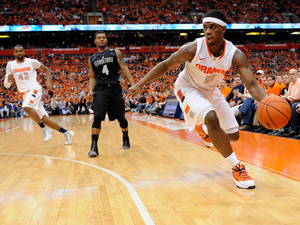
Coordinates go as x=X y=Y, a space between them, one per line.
x=24 y=73
x=205 y=70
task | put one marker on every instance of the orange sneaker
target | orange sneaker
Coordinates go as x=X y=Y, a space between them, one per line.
x=203 y=136
x=241 y=177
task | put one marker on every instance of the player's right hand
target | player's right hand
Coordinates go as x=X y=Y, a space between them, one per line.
x=134 y=90
x=91 y=96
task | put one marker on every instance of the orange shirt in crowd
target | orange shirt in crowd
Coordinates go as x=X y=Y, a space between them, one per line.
x=275 y=89
x=225 y=91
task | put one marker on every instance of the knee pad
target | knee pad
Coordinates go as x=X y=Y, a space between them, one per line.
x=97 y=122
x=123 y=123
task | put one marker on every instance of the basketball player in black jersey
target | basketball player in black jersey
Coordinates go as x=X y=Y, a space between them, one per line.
x=105 y=89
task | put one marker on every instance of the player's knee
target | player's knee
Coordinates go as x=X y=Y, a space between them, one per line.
x=211 y=119
x=123 y=123
x=234 y=136
x=97 y=122
x=26 y=109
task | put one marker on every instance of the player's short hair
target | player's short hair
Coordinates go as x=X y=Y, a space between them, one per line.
x=99 y=32
x=18 y=46
x=216 y=14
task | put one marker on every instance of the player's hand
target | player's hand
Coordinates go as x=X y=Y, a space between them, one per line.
x=134 y=90
x=10 y=78
x=49 y=84
x=91 y=96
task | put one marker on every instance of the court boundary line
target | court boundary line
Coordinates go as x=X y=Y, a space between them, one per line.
x=138 y=202
x=9 y=130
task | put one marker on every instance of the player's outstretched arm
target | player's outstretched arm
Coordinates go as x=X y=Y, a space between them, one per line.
x=48 y=76
x=240 y=61
x=92 y=82
x=124 y=67
x=185 y=54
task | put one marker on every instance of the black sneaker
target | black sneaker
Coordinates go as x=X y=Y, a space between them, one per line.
x=94 y=150
x=126 y=144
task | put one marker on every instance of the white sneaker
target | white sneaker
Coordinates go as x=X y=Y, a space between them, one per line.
x=47 y=133
x=69 y=134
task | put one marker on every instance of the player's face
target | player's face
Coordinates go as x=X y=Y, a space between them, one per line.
x=19 y=53
x=101 y=40
x=214 y=33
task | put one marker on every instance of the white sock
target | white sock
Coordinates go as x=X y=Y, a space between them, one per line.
x=232 y=160
x=204 y=128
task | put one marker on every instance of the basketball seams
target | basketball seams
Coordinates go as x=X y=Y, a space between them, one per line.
x=270 y=110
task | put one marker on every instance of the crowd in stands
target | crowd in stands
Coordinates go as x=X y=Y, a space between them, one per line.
x=146 y=11
x=47 y=12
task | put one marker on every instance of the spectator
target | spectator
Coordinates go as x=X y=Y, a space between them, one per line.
x=238 y=88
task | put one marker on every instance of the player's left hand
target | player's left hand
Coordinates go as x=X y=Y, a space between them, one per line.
x=49 y=85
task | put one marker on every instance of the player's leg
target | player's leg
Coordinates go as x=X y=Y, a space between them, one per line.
x=100 y=105
x=223 y=128
x=96 y=129
x=34 y=108
x=117 y=111
x=124 y=127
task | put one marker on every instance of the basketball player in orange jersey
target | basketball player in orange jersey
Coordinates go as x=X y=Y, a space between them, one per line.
x=207 y=60
x=23 y=70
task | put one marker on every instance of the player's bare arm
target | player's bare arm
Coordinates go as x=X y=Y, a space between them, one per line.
x=92 y=82
x=124 y=67
x=240 y=61
x=185 y=54
x=48 y=76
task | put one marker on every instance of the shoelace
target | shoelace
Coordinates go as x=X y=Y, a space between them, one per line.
x=242 y=172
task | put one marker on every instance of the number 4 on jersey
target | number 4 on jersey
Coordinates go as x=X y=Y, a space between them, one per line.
x=105 y=70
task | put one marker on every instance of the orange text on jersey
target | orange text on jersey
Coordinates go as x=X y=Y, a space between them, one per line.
x=210 y=70
x=21 y=69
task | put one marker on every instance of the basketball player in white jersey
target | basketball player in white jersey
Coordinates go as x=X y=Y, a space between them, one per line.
x=207 y=60
x=23 y=70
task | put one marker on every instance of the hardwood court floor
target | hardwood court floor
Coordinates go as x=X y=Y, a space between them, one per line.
x=167 y=177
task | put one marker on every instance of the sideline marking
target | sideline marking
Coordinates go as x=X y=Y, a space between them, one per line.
x=7 y=129
x=138 y=202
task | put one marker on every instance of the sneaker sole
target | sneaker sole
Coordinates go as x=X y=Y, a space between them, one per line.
x=92 y=154
x=243 y=186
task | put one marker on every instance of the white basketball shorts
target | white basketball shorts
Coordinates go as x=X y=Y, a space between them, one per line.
x=32 y=99
x=196 y=103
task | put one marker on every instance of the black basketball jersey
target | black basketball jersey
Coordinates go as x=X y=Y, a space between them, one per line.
x=106 y=67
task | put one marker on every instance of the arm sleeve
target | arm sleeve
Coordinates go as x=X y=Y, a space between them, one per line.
x=35 y=63
x=7 y=83
x=230 y=96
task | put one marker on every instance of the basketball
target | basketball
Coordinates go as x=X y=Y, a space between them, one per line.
x=273 y=112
